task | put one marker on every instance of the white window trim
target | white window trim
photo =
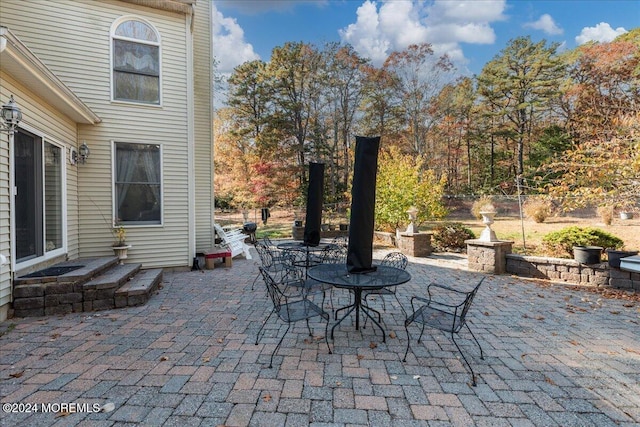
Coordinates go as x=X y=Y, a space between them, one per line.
x=112 y=35
x=114 y=208
x=63 y=249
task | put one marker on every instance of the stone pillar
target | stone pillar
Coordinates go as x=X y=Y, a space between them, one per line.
x=415 y=244
x=489 y=257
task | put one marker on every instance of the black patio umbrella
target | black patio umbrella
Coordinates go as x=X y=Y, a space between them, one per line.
x=314 y=204
x=363 y=201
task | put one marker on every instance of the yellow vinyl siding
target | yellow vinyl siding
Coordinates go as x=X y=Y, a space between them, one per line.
x=46 y=121
x=73 y=39
x=203 y=126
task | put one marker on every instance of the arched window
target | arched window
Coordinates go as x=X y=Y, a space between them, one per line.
x=136 y=62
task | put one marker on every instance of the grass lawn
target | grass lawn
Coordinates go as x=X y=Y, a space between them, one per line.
x=506 y=228
x=513 y=229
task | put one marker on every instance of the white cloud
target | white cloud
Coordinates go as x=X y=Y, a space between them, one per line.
x=600 y=33
x=394 y=25
x=362 y=34
x=229 y=47
x=546 y=24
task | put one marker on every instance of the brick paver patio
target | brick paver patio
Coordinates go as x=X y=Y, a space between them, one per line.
x=554 y=357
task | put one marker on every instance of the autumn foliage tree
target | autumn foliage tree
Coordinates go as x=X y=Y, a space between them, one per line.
x=603 y=171
x=532 y=115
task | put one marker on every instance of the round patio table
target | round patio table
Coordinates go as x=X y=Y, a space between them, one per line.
x=306 y=250
x=338 y=276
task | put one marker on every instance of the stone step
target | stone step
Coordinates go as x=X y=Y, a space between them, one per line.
x=85 y=269
x=139 y=288
x=113 y=277
x=99 y=292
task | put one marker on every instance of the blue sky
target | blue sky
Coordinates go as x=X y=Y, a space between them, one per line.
x=472 y=32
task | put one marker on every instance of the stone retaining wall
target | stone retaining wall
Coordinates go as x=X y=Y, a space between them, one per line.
x=570 y=271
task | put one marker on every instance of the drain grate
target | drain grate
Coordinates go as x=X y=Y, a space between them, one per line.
x=53 y=271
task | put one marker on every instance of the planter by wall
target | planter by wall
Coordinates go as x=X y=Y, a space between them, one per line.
x=626 y=215
x=121 y=252
x=587 y=254
x=614 y=256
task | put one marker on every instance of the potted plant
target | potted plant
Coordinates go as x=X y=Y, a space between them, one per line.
x=120 y=246
x=614 y=256
x=587 y=254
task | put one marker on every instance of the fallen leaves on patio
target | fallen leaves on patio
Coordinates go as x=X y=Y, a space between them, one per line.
x=55 y=336
x=572 y=308
x=392 y=334
x=630 y=350
x=206 y=359
x=373 y=345
x=605 y=292
x=266 y=397
x=164 y=358
x=17 y=374
x=549 y=380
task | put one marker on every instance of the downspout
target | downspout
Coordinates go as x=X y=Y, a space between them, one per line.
x=191 y=187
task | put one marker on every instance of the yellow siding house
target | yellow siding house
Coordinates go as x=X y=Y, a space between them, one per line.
x=116 y=103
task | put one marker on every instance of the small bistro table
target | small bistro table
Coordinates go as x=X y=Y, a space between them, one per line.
x=338 y=276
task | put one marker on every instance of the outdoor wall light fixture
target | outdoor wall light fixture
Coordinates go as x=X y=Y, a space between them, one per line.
x=11 y=115
x=81 y=155
x=84 y=152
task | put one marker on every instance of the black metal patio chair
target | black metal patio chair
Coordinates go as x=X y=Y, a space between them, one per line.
x=340 y=241
x=334 y=254
x=446 y=309
x=393 y=259
x=291 y=305
x=272 y=260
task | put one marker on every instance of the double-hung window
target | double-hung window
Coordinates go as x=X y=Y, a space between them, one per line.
x=136 y=62
x=138 y=189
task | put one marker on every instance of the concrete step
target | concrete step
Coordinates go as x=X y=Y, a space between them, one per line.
x=139 y=288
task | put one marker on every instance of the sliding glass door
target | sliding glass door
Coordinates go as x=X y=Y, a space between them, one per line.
x=38 y=198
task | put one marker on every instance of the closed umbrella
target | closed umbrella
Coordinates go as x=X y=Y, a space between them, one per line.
x=363 y=201
x=314 y=204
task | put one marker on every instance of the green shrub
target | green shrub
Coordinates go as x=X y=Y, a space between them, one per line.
x=450 y=236
x=562 y=241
